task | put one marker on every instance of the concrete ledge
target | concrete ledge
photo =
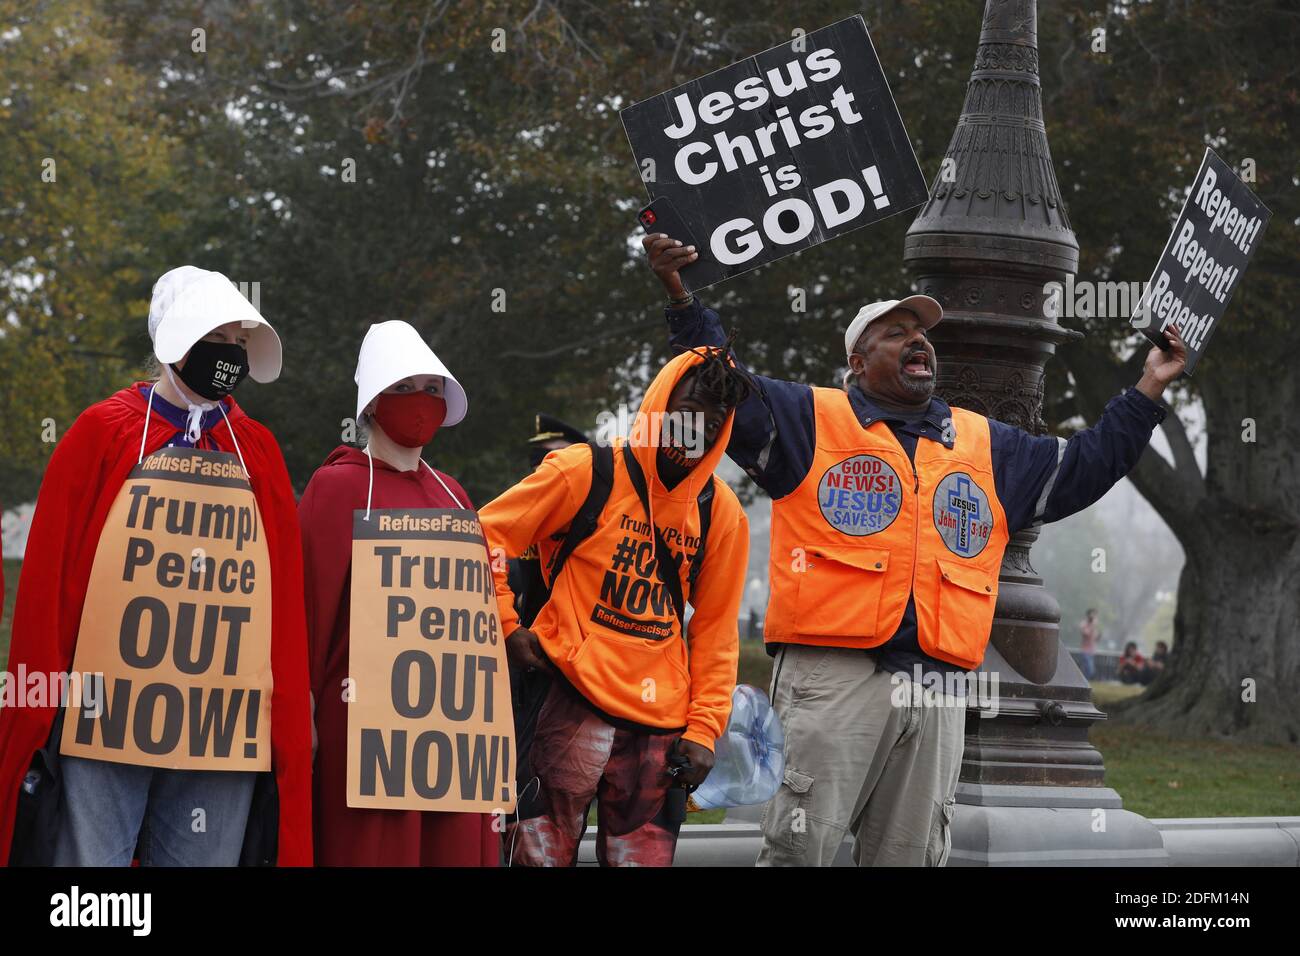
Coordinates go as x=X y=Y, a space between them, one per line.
x=1014 y=836
x=1076 y=798
x=1053 y=836
x=1231 y=841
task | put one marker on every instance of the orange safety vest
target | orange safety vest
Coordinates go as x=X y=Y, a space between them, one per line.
x=865 y=529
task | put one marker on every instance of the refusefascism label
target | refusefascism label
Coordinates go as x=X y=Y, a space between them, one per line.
x=860 y=495
x=781 y=151
x=430 y=725
x=177 y=620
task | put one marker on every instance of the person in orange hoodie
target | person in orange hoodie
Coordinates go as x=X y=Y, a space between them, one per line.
x=636 y=698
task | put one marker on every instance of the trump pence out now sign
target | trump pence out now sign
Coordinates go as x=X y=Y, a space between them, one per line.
x=781 y=151
x=430 y=724
x=176 y=627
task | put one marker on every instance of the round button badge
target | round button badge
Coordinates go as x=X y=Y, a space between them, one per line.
x=962 y=515
x=861 y=495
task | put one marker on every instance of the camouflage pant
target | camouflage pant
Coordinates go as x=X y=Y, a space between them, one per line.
x=577 y=757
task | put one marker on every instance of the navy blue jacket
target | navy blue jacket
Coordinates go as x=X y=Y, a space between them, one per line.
x=1037 y=478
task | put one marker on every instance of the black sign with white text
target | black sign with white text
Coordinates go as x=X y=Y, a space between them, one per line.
x=1213 y=240
x=781 y=151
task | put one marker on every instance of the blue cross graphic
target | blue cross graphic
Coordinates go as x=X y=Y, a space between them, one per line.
x=966 y=507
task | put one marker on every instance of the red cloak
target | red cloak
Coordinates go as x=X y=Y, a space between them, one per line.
x=347 y=836
x=83 y=478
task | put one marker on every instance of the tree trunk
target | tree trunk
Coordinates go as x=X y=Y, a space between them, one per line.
x=1234 y=669
x=1235 y=661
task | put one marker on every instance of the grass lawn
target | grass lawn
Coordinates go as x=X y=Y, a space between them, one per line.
x=755 y=667
x=1159 y=775
x=1105 y=693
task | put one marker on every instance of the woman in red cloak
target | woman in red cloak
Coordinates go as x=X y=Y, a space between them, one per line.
x=79 y=811
x=404 y=395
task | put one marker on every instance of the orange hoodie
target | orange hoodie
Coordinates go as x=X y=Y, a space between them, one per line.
x=609 y=626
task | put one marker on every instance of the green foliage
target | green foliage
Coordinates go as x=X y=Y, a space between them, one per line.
x=1128 y=129
x=11 y=569
x=478 y=170
x=85 y=184
x=482 y=172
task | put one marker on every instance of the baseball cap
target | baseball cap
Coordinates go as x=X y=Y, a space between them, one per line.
x=929 y=311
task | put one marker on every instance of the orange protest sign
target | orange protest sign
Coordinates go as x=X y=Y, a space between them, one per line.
x=176 y=625
x=430 y=725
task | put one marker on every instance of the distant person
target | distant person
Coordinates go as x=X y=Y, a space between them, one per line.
x=1089 y=633
x=1158 y=659
x=1132 y=667
x=550 y=434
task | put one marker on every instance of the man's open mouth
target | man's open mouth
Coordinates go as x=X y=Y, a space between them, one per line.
x=918 y=364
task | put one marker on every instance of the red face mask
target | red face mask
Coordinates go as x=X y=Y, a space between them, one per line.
x=410 y=419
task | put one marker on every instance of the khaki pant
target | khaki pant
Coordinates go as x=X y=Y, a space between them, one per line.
x=861 y=756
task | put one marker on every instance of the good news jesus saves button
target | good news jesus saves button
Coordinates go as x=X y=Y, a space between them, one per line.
x=860 y=495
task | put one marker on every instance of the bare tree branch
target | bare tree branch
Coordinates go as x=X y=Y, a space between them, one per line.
x=1174 y=492
x=584 y=340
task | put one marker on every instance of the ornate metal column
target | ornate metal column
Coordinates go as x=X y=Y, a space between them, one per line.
x=992 y=235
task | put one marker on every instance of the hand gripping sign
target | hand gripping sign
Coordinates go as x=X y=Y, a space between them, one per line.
x=781 y=151
x=1214 y=239
x=430 y=725
x=177 y=620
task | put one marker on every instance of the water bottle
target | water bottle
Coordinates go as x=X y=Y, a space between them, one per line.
x=748 y=759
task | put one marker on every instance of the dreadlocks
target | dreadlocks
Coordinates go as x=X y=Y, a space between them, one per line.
x=717 y=381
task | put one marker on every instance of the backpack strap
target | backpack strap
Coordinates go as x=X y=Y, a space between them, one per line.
x=584 y=522
x=705 y=505
x=665 y=567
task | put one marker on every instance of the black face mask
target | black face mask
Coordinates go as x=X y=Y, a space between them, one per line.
x=213 y=369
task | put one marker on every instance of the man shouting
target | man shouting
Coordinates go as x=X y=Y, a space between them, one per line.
x=890 y=515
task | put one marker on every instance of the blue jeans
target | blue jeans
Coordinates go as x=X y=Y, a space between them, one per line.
x=176 y=817
x=1088 y=667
